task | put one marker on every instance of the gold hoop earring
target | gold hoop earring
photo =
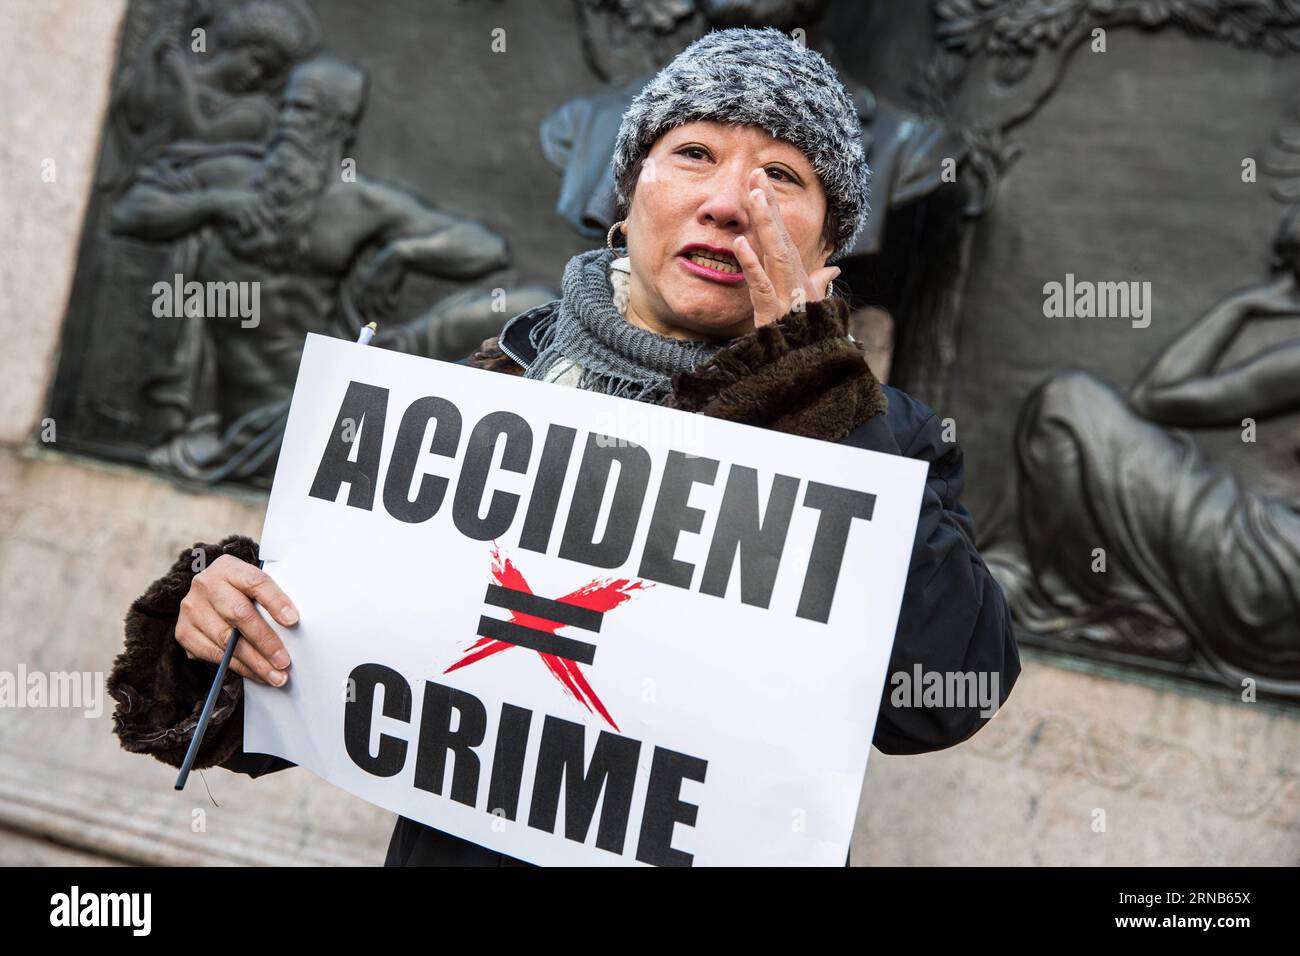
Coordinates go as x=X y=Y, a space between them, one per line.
x=609 y=239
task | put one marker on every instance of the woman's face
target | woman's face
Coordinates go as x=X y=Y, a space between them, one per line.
x=693 y=190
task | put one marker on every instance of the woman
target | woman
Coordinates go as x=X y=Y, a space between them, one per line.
x=741 y=173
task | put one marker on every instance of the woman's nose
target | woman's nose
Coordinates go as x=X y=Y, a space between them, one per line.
x=725 y=207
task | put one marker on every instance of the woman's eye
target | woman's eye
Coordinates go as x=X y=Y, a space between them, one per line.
x=700 y=152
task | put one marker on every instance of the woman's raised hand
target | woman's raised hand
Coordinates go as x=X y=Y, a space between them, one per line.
x=221 y=597
x=779 y=283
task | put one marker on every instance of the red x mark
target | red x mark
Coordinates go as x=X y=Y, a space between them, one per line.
x=596 y=595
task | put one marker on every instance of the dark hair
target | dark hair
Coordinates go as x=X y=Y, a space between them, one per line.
x=627 y=186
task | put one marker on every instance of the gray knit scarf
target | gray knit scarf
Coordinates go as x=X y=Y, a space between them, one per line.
x=616 y=357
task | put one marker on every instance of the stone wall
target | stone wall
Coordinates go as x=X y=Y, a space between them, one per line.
x=1079 y=768
x=80 y=539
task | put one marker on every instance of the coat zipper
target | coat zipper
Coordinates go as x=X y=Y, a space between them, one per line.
x=511 y=355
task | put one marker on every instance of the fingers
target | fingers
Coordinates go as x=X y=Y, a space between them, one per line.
x=762 y=293
x=199 y=647
x=779 y=283
x=238 y=611
x=259 y=586
x=213 y=630
x=755 y=275
x=196 y=645
x=780 y=260
x=223 y=597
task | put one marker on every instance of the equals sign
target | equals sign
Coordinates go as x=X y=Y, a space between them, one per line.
x=555 y=613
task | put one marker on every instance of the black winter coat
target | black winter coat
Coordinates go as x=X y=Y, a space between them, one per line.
x=802 y=375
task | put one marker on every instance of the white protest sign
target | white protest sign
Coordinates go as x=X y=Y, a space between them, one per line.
x=574 y=628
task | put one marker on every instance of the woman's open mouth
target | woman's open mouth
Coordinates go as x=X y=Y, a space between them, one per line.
x=708 y=264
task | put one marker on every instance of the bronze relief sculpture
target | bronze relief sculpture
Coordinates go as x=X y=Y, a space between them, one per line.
x=231 y=166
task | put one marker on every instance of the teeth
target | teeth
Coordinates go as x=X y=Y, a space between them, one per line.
x=713 y=260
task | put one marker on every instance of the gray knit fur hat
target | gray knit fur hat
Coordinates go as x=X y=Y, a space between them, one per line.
x=759 y=77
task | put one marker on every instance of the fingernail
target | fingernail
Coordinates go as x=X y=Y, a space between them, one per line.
x=288 y=615
x=278 y=678
x=280 y=658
